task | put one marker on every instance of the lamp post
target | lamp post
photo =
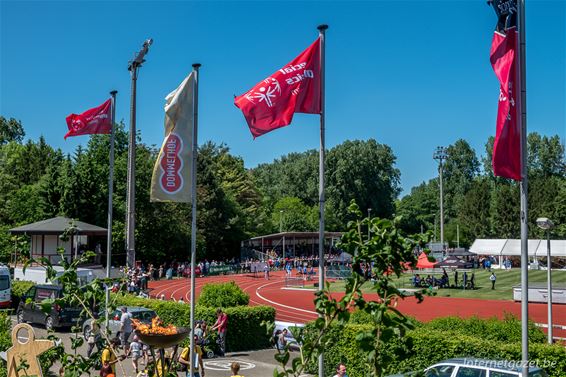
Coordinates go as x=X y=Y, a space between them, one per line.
x=369 y=222
x=440 y=155
x=133 y=67
x=547 y=224
x=281 y=221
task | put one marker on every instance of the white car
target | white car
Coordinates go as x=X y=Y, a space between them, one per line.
x=471 y=367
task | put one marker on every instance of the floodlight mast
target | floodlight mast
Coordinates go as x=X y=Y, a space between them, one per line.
x=133 y=67
x=440 y=155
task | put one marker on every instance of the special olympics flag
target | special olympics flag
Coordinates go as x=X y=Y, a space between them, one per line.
x=172 y=172
x=295 y=88
x=97 y=120
x=506 y=159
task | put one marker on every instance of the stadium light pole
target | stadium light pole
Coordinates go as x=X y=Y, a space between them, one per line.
x=440 y=155
x=280 y=221
x=133 y=67
x=547 y=224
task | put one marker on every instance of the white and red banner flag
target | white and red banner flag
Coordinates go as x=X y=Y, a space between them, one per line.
x=172 y=172
x=97 y=120
x=506 y=159
x=295 y=88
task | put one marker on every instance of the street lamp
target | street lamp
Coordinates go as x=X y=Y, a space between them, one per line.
x=281 y=221
x=440 y=155
x=133 y=66
x=547 y=224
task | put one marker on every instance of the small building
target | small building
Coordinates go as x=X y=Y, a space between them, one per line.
x=45 y=238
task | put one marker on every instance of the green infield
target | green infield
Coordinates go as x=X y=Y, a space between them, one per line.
x=506 y=279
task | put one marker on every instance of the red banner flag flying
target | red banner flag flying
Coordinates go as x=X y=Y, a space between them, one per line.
x=94 y=121
x=506 y=159
x=295 y=88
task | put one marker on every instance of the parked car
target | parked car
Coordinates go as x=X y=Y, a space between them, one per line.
x=143 y=315
x=471 y=367
x=29 y=309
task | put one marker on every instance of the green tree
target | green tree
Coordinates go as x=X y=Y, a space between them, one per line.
x=294 y=216
x=11 y=130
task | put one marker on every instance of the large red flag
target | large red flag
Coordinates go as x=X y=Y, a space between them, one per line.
x=295 y=88
x=506 y=159
x=94 y=121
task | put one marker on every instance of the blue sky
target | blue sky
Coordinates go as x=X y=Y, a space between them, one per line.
x=410 y=74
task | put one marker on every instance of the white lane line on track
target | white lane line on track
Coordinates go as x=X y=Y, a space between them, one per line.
x=278 y=304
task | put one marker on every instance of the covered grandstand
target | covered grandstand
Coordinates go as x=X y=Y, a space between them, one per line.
x=288 y=244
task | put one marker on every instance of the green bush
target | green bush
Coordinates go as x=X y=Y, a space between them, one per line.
x=223 y=295
x=5 y=339
x=506 y=330
x=244 y=330
x=19 y=288
x=434 y=342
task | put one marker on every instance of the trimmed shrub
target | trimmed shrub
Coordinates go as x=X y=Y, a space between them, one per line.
x=506 y=330
x=223 y=295
x=426 y=345
x=244 y=329
x=19 y=288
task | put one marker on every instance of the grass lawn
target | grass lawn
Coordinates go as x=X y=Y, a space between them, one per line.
x=506 y=279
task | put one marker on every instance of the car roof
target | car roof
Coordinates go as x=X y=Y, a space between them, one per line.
x=512 y=366
x=136 y=309
x=49 y=286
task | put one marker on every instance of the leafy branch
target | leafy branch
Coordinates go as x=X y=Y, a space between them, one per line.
x=378 y=258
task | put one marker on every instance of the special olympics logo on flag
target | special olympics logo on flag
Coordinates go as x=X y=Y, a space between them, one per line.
x=171 y=165
x=267 y=93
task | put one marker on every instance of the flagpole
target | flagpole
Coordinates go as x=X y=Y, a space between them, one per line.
x=110 y=193
x=522 y=108
x=322 y=32
x=196 y=67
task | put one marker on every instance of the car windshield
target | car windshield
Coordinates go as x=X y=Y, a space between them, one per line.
x=538 y=373
x=144 y=315
x=4 y=282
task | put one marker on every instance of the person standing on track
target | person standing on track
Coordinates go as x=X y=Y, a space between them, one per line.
x=221 y=325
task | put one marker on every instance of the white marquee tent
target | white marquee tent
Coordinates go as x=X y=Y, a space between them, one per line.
x=510 y=247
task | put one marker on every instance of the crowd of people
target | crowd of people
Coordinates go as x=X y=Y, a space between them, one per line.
x=130 y=346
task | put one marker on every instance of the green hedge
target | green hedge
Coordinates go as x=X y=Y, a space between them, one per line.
x=5 y=339
x=427 y=345
x=222 y=295
x=19 y=288
x=244 y=330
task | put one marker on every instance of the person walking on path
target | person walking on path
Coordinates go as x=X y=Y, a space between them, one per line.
x=109 y=358
x=340 y=371
x=221 y=326
x=184 y=360
x=493 y=278
x=235 y=367
x=125 y=329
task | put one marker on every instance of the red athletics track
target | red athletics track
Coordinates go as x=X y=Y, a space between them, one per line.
x=297 y=306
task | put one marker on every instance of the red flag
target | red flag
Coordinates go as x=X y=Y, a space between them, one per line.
x=94 y=121
x=506 y=159
x=295 y=88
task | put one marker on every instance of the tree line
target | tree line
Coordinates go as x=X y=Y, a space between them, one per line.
x=234 y=203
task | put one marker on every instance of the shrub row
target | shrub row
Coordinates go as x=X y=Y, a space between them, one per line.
x=19 y=288
x=244 y=330
x=427 y=345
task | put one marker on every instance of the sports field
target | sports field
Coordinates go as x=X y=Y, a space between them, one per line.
x=297 y=305
x=506 y=279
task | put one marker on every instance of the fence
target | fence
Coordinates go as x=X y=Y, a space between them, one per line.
x=294 y=282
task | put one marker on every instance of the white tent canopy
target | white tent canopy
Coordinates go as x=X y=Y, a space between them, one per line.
x=511 y=247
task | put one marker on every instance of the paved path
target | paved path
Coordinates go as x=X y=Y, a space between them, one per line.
x=254 y=363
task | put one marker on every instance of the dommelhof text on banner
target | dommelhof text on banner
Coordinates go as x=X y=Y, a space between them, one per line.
x=173 y=169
